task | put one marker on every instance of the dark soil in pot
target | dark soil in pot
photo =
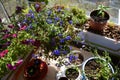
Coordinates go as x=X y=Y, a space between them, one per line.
x=110 y=30
x=72 y=73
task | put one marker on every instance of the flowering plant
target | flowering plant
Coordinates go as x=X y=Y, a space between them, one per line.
x=53 y=26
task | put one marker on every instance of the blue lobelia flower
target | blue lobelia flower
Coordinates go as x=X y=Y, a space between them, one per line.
x=37 y=5
x=56 y=18
x=70 y=21
x=64 y=52
x=32 y=15
x=30 y=11
x=60 y=35
x=49 y=12
x=49 y=21
x=56 y=52
x=59 y=9
x=61 y=23
x=62 y=40
x=68 y=38
x=72 y=57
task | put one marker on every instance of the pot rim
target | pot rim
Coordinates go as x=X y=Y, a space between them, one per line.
x=95 y=10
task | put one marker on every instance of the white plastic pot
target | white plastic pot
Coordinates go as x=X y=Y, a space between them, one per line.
x=92 y=58
x=62 y=72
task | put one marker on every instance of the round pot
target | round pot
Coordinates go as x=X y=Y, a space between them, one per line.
x=35 y=69
x=61 y=75
x=94 y=58
x=96 y=22
x=75 y=57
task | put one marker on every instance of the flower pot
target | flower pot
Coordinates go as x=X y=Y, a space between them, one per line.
x=90 y=62
x=35 y=69
x=75 y=57
x=98 y=23
x=102 y=42
x=63 y=74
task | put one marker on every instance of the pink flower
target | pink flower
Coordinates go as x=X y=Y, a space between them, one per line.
x=18 y=62
x=14 y=35
x=3 y=53
x=11 y=26
x=23 y=27
x=6 y=36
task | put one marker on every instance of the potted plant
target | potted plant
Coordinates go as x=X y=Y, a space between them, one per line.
x=69 y=73
x=97 y=68
x=35 y=69
x=99 y=18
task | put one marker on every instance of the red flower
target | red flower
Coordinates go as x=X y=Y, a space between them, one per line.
x=3 y=53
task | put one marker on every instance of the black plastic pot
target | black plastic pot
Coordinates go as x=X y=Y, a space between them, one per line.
x=98 y=22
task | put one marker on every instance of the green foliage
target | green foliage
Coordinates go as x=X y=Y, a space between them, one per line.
x=101 y=9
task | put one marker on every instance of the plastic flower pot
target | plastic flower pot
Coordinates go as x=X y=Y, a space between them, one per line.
x=98 y=23
x=63 y=74
x=35 y=69
x=84 y=77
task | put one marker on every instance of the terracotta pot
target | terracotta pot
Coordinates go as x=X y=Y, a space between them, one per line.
x=98 y=23
x=35 y=69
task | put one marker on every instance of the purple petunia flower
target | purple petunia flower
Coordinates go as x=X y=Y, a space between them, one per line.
x=68 y=38
x=11 y=67
x=56 y=52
